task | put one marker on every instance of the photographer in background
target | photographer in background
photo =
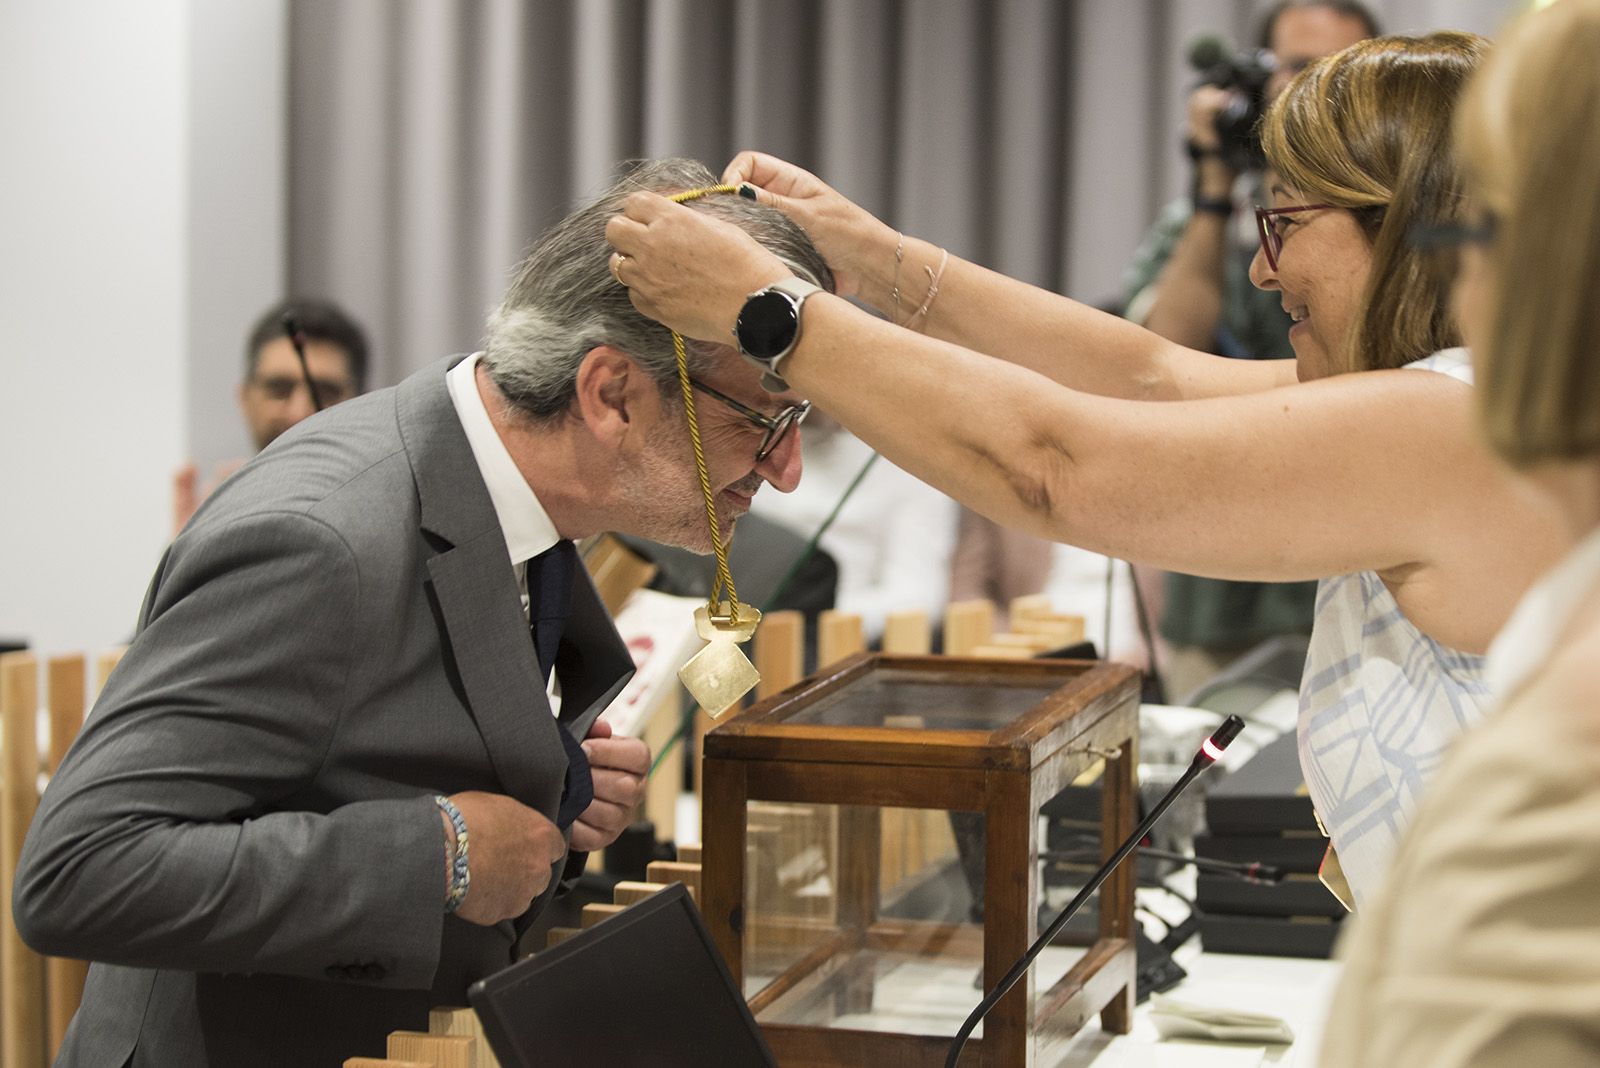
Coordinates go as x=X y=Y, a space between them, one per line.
x=1189 y=282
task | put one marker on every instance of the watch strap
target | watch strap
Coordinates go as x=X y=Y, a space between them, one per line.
x=794 y=287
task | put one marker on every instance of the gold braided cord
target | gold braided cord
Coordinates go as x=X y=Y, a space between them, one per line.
x=724 y=579
x=696 y=194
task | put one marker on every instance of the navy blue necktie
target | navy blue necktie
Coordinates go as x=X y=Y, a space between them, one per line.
x=550 y=576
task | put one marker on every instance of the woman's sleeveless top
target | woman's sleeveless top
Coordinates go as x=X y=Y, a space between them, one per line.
x=1380 y=705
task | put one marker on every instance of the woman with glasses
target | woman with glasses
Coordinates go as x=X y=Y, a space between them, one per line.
x=1483 y=947
x=1355 y=463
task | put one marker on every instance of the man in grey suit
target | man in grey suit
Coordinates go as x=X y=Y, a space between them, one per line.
x=254 y=835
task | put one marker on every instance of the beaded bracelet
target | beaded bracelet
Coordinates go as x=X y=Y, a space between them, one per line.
x=460 y=877
x=933 y=287
x=899 y=256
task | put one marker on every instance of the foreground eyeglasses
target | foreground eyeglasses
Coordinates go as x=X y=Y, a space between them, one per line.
x=776 y=426
x=1441 y=243
x=1443 y=237
x=1267 y=225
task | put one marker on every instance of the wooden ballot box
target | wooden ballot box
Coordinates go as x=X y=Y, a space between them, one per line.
x=871 y=845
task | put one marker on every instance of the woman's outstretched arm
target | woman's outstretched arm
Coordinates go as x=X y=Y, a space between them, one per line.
x=987 y=312
x=1376 y=471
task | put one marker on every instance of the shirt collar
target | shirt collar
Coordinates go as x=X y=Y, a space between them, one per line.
x=1525 y=642
x=523 y=520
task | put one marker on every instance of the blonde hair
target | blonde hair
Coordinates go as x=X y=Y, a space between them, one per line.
x=1529 y=138
x=1368 y=129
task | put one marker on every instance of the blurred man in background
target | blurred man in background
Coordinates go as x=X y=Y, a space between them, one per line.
x=1189 y=282
x=274 y=396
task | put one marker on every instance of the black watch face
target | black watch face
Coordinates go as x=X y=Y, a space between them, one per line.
x=767 y=325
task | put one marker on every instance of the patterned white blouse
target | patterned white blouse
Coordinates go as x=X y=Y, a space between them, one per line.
x=1380 y=705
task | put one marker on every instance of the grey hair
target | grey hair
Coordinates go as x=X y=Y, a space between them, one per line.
x=564 y=301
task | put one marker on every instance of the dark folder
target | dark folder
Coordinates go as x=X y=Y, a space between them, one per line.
x=1266 y=796
x=645 y=987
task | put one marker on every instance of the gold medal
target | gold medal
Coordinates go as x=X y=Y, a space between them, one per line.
x=721 y=626
x=719 y=675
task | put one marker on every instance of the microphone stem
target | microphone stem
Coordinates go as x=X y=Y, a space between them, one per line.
x=297 y=340
x=1199 y=764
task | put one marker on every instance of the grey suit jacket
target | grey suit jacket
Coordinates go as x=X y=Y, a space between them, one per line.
x=243 y=836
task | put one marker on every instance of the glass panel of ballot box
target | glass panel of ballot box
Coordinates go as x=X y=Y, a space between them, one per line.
x=872 y=854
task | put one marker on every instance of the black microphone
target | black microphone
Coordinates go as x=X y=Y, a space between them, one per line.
x=1208 y=52
x=298 y=340
x=1210 y=750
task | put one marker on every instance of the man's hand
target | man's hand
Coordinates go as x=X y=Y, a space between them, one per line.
x=188 y=494
x=1213 y=177
x=511 y=854
x=618 y=767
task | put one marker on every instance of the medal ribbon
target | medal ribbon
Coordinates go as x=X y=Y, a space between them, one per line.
x=724 y=578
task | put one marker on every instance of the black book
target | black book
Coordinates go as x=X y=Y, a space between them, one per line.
x=1270 y=937
x=676 y=1002
x=1076 y=805
x=1266 y=796
x=1296 y=895
x=1293 y=851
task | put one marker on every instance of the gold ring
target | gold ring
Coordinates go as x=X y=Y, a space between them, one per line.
x=616 y=267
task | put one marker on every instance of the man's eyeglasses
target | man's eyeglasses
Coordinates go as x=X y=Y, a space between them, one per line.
x=1267 y=222
x=776 y=426
x=280 y=388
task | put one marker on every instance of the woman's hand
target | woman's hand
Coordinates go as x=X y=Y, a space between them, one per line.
x=858 y=247
x=685 y=269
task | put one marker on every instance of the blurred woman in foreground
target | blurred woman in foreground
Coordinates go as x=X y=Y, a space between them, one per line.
x=1483 y=948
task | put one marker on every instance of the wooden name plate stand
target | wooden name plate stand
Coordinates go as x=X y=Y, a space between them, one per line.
x=37 y=995
x=878 y=734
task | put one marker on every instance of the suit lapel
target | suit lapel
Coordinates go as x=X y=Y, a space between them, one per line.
x=473 y=585
x=484 y=632
x=487 y=639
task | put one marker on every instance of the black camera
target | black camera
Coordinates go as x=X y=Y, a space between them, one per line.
x=1245 y=74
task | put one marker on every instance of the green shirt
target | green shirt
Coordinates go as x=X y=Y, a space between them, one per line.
x=1254 y=325
x=1219 y=613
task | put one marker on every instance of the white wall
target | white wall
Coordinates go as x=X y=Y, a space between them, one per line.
x=102 y=288
x=237 y=205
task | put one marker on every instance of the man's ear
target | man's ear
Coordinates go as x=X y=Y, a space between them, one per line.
x=609 y=399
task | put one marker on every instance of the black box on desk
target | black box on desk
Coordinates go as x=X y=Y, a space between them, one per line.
x=1265 y=797
x=1293 y=851
x=1311 y=936
x=1072 y=838
x=1262 y=814
x=1298 y=894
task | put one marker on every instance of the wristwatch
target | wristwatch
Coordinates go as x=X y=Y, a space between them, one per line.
x=768 y=327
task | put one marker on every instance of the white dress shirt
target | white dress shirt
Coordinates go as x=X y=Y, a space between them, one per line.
x=524 y=522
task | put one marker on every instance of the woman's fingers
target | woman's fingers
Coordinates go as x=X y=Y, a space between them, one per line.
x=683 y=268
x=778 y=179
